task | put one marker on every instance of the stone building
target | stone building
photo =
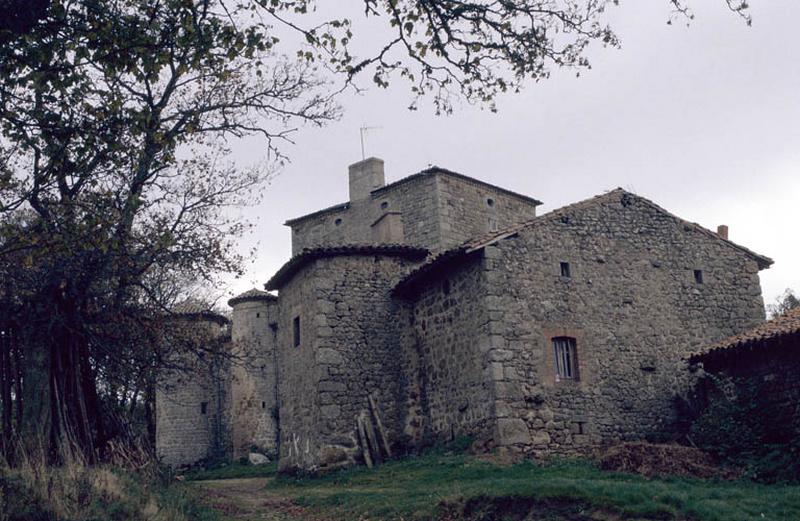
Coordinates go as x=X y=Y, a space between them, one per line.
x=193 y=393
x=439 y=306
x=761 y=364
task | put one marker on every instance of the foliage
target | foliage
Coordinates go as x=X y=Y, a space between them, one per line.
x=416 y=488
x=737 y=428
x=73 y=492
x=785 y=302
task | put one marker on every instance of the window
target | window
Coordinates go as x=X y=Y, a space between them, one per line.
x=263 y=405
x=565 y=271
x=698 y=276
x=258 y=315
x=296 y=331
x=565 y=359
x=203 y=407
x=490 y=202
x=492 y=224
x=337 y=222
x=384 y=205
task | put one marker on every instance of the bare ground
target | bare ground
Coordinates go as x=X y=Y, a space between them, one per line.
x=248 y=499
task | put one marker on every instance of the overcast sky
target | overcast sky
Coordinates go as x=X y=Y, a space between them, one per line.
x=703 y=120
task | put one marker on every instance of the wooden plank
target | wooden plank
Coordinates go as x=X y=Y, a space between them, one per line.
x=372 y=438
x=362 y=438
x=379 y=423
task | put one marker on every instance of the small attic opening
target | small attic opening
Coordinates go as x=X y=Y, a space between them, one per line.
x=698 y=276
x=565 y=270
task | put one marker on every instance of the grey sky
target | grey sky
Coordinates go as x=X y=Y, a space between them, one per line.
x=704 y=120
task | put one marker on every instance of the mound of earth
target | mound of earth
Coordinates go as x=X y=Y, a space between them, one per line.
x=651 y=459
x=515 y=508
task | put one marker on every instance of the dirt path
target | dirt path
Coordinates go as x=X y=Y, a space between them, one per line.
x=248 y=499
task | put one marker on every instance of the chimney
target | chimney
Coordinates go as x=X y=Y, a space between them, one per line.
x=365 y=176
x=722 y=231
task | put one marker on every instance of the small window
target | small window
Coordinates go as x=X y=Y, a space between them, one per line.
x=337 y=222
x=258 y=315
x=565 y=271
x=565 y=358
x=492 y=225
x=698 y=276
x=263 y=405
x=203 y=407
x=490 y=202
x=384 y=205
x=296 y=331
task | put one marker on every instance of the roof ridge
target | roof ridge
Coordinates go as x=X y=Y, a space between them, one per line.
x=787 y=323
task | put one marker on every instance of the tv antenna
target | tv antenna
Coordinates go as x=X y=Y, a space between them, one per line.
x=363 y=130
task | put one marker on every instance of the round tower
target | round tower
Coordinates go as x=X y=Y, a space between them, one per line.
x=254 y=406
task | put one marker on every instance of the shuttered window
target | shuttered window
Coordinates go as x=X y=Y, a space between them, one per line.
x=565 y=358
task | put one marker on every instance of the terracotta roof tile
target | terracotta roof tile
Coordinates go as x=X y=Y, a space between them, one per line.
x=482 y=241
x=250 y=296
x=294 y=264
x=786 y=324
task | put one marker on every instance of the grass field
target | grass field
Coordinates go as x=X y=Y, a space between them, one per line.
x=424 y=488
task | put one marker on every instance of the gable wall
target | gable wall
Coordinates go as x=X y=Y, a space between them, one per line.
x=634 y=307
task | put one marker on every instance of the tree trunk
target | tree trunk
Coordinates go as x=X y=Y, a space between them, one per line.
x=76 y=428
x=6 y=376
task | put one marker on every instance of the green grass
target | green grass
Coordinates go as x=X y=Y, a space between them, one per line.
x=232 y=471
x=414 y=489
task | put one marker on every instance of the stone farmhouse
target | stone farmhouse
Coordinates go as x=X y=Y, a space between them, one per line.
x=441 y=306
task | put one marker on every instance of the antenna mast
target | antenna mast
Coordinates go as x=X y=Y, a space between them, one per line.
x=363 y=131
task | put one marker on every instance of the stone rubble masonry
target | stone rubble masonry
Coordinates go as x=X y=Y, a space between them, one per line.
x=349 y=348
x=184 y=433
x=464 y=345
x=435 y=209
x=634 y=308
x=253 y=378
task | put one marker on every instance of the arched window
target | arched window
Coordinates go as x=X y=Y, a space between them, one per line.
x=565 y=358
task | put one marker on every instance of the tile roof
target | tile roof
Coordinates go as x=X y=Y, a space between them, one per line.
x=783 y=325
x=297 y=262
x=482 y=241
x=250 y=296
x=194 y=308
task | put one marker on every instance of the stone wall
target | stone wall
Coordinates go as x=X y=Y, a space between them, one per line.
x=254 y=404
x=768 y=371
x=634 y=306
x=193 y=405
x=448 y=393
x=349 y=349
x=415 y=201
x=469 y=209
x=435 y=210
